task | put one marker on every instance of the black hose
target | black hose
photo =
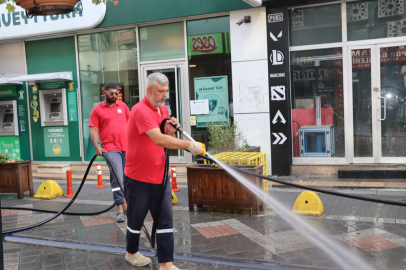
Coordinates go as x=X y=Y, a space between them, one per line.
x=314 y=189
x=162 y=194
x=70 y=203
x=60 y=212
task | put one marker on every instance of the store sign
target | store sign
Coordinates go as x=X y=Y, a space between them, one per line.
x=362 y=58
x=17 y=25
x=279 y=94
x=10 y=145
x=56 y=141
x=8 y=91
x=52 y=85
x=205 y=44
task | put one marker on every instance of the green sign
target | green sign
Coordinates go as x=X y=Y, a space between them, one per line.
x=56 y=141
x=51 y=85
x=10 y=145
x=215 y=91
x=205 y=44
x=72 y=107
x=8 y=91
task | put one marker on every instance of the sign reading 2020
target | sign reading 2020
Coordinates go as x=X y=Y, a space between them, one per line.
x=17 y=25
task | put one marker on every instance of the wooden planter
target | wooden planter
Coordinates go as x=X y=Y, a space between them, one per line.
x=16 y=178
x=47 y=7
x=208 y=185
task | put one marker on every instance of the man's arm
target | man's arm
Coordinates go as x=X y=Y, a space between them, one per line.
x=94 y=136
x=169 y=142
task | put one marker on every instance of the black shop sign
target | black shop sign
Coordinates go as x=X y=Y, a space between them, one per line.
x=279 y=97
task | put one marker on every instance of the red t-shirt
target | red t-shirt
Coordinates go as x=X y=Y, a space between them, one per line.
x=145 y=161
x=112 y=125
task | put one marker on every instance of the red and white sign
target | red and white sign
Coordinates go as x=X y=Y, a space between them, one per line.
x=204 y=44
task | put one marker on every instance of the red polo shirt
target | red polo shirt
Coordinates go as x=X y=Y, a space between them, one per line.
x=145 y=160
x=112 y=125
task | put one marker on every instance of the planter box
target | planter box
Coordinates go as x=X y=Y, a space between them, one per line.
x=208 y=185
x=16 y=178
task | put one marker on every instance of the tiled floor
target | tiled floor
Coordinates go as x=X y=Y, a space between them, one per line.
x=216 y=231
x=372 y=243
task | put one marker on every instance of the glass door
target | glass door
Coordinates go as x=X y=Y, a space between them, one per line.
x=174 y=102
x=378 y=91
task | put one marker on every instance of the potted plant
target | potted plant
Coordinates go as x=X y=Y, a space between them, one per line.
x=47 y=7
x=15 y=176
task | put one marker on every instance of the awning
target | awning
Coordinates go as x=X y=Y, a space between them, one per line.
x=44 y=77
x=6 y=81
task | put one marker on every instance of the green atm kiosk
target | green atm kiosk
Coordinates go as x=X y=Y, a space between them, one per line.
x=13 y=120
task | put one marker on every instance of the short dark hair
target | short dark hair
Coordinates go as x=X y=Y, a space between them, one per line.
x=110 y=85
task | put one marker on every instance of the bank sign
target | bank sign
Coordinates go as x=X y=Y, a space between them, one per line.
x=17 y=25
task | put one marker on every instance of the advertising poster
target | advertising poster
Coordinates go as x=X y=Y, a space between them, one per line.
x=10 y=145
x=56 y=141
x=215 y=91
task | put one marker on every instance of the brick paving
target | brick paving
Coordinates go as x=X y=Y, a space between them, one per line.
x=374 y=232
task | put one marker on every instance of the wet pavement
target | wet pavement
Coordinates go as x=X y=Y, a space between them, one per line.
x=209 y=238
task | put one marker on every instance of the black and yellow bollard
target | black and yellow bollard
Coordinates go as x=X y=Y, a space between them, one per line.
x=308 y=203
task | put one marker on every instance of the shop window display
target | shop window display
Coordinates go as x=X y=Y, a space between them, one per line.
x=317 y=103
x=106 y=57
x=376 y=19
x=315 y=25
x=210 y=68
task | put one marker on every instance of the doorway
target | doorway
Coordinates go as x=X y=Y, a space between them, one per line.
x=378 y=89
x=177 y=100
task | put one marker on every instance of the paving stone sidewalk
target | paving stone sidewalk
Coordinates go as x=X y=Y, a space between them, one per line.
x=209 y=238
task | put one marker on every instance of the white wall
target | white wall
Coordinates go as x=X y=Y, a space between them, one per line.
x=250 y=78
x=12 y=59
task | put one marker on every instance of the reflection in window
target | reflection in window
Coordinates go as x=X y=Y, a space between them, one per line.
x=106 y=57
x=315 y=25
x=210 y=63
x=317 y=103
x=375 y=19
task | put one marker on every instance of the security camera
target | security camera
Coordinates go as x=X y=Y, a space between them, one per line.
x=246 y=19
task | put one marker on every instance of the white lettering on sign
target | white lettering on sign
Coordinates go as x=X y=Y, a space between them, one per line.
x=277 y=75
x=17 y=25
x=280 y=139
x=276 y=57
x=278 y=115
x=55 y=130
x=278 y=92
x=275 y=38
x=276 y=17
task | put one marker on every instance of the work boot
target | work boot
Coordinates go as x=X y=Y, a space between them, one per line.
x=120 y=218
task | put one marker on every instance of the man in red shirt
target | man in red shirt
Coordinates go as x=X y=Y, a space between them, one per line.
x=144 y=171
x=109 y=121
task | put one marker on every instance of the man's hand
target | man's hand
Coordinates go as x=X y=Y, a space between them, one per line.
x=100 y=151
x=169 y=126
x=197 y=148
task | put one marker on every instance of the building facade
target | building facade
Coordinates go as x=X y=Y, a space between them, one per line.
x=314 y=85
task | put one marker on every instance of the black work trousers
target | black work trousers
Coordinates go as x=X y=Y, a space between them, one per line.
x=142 y=197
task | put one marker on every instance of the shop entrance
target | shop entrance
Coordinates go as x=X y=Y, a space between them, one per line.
x=378 y=90
x=176 y=101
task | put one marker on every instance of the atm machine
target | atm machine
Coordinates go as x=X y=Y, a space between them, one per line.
x=53 y=107
x=8 y=118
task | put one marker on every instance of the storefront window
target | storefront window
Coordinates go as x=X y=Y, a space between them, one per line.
x=210 y=72
x=315 y=25
x=317 y=103
x=375 y=19
x=106 y=57
x=159 y=42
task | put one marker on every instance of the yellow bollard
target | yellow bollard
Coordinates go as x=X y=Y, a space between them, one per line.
x=308 y=203
x=174 y=198
x=48 y=190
